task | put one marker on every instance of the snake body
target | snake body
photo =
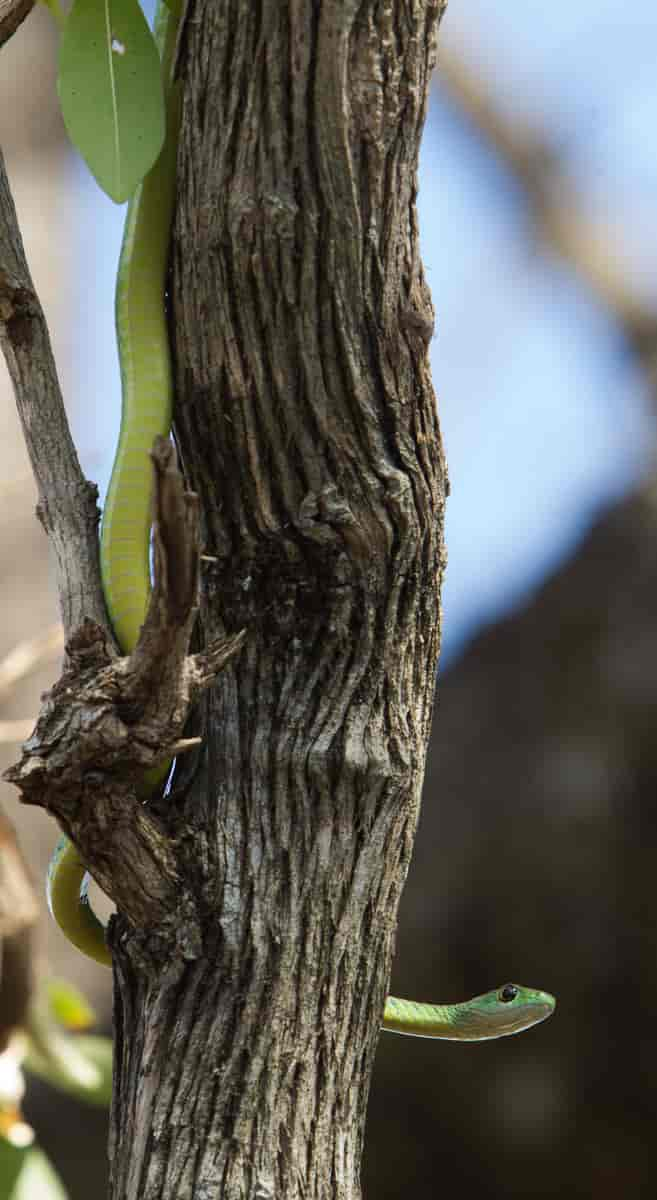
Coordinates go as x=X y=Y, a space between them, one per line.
x=146 y=407
x=146 y=380
x=505 y=1010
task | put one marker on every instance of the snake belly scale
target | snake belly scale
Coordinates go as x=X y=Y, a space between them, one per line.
x=147 y=390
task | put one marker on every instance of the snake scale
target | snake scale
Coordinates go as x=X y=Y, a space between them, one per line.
x=147 y=391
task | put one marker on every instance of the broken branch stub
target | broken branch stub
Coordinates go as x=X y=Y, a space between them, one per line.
x=110 y=718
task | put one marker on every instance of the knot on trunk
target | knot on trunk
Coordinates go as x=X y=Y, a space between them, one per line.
x=111 y=718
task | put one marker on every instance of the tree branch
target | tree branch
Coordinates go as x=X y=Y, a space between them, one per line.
x=110 y=719
x=12 y=14
x=556 y=207
x=67 y=501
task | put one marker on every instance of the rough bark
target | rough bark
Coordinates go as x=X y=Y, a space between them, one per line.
x=307 y=425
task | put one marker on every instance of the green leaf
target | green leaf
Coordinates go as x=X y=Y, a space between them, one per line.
x=25 y=1172
x=99 y=1051
x=81 y=1066
x=67 y=1005
x=36 y=1178
x=110 y=90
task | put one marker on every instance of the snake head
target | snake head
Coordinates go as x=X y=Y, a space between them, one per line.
x=507 y=1009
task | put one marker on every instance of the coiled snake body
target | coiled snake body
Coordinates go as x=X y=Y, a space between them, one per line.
x=146 y=411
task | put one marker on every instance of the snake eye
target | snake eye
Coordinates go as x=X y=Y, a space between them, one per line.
x=508 y=993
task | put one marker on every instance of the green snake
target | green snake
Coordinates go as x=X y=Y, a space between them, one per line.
x=147 y=391
x=146 y=408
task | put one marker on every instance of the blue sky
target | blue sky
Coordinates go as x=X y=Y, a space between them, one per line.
x=544 y=414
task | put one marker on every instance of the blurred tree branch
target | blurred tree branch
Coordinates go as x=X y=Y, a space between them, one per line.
x=557 y=211
x=19 y=912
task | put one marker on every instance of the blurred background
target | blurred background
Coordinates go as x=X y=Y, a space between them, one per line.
x=537 y=848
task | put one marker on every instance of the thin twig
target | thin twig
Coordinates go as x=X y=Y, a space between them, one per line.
x=67 y=501
x=186 y=744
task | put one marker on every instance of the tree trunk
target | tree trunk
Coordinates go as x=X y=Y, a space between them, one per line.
x=306 y=422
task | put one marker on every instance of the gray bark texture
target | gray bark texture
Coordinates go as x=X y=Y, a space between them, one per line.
x=307 y=424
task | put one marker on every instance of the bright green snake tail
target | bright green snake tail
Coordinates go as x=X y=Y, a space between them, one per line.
x=146 y=411
x=146 y=375
x=147 y=393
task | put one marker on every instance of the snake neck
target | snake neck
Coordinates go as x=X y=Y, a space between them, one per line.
x=421 y=1020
